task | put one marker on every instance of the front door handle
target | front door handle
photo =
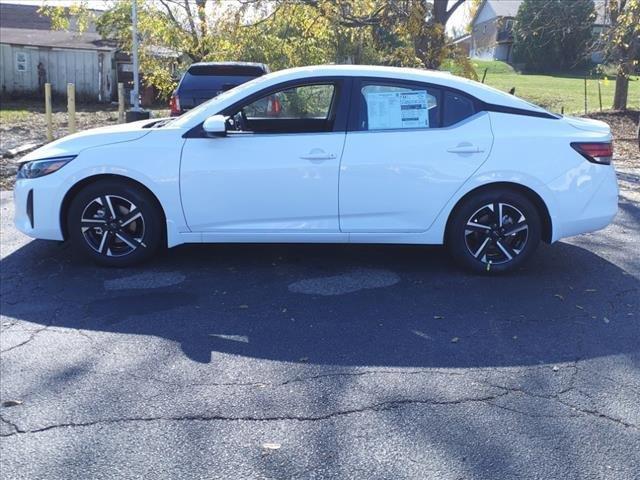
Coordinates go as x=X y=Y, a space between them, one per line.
x=318 y=154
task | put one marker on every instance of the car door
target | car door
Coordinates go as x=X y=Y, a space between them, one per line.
x=409 y=147
x=276 y=170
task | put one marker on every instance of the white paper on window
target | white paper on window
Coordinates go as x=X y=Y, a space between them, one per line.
x=388 y=110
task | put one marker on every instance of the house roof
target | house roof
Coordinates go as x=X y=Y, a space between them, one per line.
x=509 y=8
x=23 y=25
x=54 y=39
x=497 y=8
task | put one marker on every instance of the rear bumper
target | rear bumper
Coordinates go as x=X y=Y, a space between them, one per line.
x=589 y=205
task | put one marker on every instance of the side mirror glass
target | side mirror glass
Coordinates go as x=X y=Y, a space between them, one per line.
x=215 y=125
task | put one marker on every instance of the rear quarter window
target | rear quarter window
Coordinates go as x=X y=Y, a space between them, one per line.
x=457 y=107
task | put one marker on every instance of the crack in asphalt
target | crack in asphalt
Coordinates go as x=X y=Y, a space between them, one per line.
x=378 y=407
x=36 y=332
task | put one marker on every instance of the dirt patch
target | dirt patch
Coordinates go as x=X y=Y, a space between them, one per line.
x=626 y=156
x=24 y=122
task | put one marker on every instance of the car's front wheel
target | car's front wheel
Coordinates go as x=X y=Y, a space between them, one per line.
x=494 y=231
x=117 y=224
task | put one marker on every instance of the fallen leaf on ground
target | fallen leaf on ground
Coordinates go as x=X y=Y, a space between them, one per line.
x=438 y=317
x=271 y=446
x=304 y=359
x=555 y=368
x=606 y=320
x=11 y=403
x=557 y=295
x=455 y=340
x=579 y=307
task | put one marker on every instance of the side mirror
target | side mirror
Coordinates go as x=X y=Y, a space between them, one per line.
x=215 y=125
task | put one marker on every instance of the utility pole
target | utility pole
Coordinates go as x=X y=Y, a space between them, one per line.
x=136 y=113
x=134 y=52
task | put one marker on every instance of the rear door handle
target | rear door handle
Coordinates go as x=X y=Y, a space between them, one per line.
x=318 y=154
x=465 y=148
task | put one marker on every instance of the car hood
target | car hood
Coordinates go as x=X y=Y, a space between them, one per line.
x=75 y=143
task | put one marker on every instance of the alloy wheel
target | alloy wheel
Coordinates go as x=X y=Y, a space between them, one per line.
x=113 y=226
x=496 y=233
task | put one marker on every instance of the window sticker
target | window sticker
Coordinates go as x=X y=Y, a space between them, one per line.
x=409 y=109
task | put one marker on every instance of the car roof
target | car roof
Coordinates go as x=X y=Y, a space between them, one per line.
x=479 y=90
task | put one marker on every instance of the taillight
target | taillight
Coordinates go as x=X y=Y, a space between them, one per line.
x=174 y=105
x=595 y=152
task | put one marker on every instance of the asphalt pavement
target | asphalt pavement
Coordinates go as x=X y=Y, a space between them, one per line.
x=321 y=361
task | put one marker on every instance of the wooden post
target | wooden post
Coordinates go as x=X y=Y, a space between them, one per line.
x=71 y=106
x=599 y=95
x=120 y=102
x=47 y=111
x=585 y=95
x=484 y=75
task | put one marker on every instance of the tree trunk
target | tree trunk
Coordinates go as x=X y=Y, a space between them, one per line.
x=621 y=93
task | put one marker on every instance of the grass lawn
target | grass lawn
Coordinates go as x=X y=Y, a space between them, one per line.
x=555 y=91
x=12 y=115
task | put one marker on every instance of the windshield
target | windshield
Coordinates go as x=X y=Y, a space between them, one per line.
x=185 y=118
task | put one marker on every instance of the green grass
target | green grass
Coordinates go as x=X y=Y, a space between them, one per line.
x=13 y=115
x=554 y=92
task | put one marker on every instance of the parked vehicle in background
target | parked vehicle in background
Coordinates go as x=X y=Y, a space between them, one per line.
x=205 y=80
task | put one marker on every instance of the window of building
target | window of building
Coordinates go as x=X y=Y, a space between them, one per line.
x=21 y=62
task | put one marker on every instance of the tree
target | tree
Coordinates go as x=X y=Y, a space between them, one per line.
x=280 y=33
x=410 y=32
x=553 y=34
x=622 y=45
x=472 y=10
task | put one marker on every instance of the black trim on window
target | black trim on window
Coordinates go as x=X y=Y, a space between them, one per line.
x=339 y=108
x=492 y=107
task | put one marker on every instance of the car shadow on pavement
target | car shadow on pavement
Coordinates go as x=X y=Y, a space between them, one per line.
x=394 y=306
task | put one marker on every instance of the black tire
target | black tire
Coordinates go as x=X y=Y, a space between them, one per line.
x=485 y=242
x=115 y=223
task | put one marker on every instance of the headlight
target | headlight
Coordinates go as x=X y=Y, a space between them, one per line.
x=40 y=168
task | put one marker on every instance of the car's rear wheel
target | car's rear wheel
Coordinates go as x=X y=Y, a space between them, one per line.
x=494 y=231
x=117 y=224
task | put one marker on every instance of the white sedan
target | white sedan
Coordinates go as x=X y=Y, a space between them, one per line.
x=329 y=154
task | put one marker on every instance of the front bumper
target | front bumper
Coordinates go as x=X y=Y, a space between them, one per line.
x=37 y=210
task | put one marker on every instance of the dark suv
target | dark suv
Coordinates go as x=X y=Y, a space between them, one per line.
x=206 y=80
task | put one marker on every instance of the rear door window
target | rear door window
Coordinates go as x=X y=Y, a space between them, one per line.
x=391 y=106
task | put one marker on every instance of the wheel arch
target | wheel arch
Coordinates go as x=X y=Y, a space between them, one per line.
x=78 y=186
x=532 y=195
